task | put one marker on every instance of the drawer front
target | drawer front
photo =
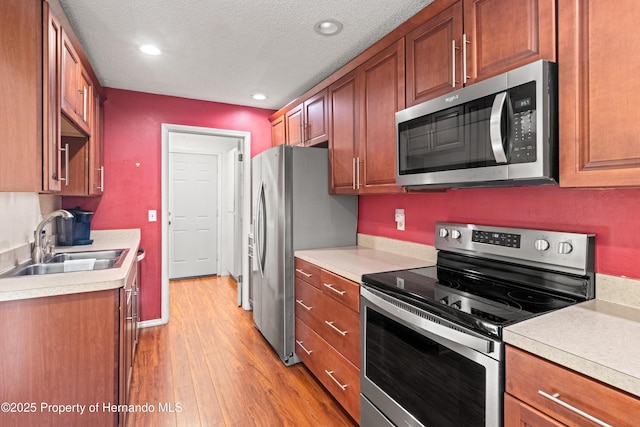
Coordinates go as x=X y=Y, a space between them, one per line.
x=308 y=272
x=527 y=374
x=340 y=327
x=343 y=290
x=308 y=301
x=336 y=373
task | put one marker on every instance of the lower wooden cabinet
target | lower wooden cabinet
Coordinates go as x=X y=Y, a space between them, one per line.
x=328 y=333
x=535 y=387
x=74 y=350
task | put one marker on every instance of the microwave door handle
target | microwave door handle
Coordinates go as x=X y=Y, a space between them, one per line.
x=495 y=131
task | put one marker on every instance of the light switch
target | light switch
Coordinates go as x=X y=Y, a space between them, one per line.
x=152 y=216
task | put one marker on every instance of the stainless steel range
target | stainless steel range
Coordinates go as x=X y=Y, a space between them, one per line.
x=432 y=349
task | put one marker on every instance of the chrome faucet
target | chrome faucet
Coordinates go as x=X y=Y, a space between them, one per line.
x=37 y=253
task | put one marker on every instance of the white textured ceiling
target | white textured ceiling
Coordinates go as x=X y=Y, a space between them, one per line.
x=225 y=50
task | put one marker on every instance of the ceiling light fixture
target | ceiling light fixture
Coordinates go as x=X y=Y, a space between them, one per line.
x=150 y=49
x=259 y=96
x=328 y=27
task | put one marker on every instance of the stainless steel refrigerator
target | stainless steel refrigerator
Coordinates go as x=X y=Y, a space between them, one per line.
x=292 y=210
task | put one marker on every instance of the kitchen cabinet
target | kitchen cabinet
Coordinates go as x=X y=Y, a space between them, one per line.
x=128 y=327
x=327 y=332
x=21 y=100
x=362 y=141
x=96 y=149
x=597 y=87
x=76 y=89
x=534 y=388
x=472 y=40
x=304 y=124
x=277 y=130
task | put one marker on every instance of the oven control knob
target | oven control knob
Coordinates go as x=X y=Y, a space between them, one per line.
x=565 y=248
x=457 y=304
x=444 y=300
x=541 y=245
x=443 y=232
x=455 y=234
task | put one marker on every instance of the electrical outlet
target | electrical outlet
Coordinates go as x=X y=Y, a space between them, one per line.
x=152 y=216
x=400 y=219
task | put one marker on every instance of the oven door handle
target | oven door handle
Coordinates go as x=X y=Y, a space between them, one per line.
x=477 y=343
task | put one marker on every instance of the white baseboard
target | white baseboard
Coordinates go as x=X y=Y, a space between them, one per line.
x=152 y=322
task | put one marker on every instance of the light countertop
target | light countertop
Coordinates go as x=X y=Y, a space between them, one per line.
x=23 y=287
x=352 y=262
x=597 y=338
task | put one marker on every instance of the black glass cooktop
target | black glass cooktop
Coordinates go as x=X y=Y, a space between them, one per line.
x=472 y=298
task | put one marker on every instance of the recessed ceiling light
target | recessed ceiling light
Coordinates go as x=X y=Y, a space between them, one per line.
x=259 y=96
x=150 y=49
x=328 y=27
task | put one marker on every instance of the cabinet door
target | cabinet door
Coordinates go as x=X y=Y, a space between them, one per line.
x=70 y=71
x=382 y=95
x=434 y=56
x=597 y=91
x=505 y=34
x=51 y=153
x=85 y=101
x=20 y=95
x=294 y=126
x=344 y=113
x=278 y=131
x=96 y=150
x=315 y=119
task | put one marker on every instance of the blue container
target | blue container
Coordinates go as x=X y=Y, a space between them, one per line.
x=76 y=230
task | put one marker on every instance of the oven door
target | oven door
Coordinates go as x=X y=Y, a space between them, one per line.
x=419 y=370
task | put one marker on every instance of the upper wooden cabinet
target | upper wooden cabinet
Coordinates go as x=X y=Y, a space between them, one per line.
x=472 y=40
x=21 y=95
x=305 y=124
x=598 y=84
x=277 y=130
x=77 y=97
x=362 y=141
x=96 y=150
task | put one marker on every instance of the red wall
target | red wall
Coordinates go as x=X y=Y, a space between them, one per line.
x=132 y=134
x=609 y=214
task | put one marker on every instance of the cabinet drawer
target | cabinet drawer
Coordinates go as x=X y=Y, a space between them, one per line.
x=336 y=373
x=527 y=374
x=308 y=272
x=341 y=289
x=307 y=302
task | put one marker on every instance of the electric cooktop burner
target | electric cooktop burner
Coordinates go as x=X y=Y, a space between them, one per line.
x=485 y=304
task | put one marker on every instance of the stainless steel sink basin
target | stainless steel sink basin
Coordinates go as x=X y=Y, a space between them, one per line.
x=103 y=260
x=56 y=267
x=70 y=256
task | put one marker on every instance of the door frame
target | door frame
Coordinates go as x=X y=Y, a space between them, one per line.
x=243 y=291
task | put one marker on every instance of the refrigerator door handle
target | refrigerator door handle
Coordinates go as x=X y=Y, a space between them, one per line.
x=260 y=229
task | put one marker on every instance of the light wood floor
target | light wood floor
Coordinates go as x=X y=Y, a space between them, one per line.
x=213 y=364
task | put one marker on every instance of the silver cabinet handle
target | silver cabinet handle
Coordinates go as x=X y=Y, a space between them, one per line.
x=330 y=286
x=353 y=169
x=464 y=59
x=299 y=270
x=66 y=162
x=343 y=333
x=555 y=398
x=101 y=169
x=357 y=173
x=84 y=108
x=343 y=387
x=306 y=307
x=303 y=347
x=495 y=132
x=453 y=63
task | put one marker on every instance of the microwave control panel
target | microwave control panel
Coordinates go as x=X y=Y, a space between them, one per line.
x=523 y=146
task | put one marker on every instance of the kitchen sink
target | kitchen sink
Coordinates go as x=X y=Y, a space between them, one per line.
x=56 y=264
x=71 y=256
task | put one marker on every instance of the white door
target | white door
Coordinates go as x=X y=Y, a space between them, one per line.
x=193 y=215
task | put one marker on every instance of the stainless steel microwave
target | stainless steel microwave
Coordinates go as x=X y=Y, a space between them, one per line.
x=499 y=132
